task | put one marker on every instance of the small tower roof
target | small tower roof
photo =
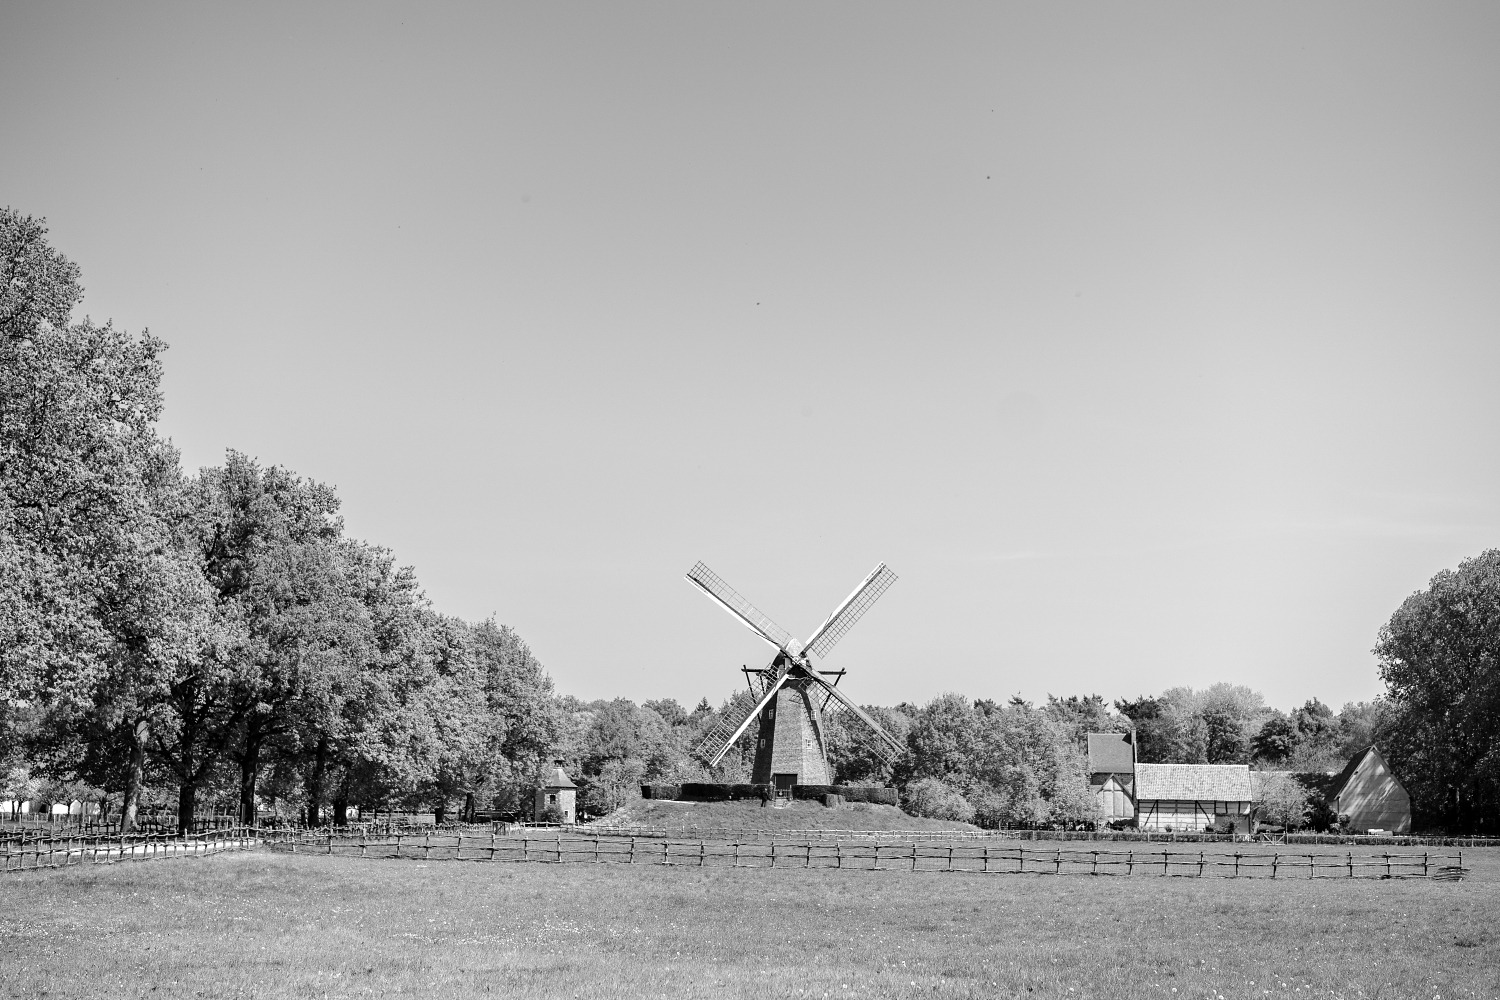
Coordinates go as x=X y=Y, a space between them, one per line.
x=558 y=778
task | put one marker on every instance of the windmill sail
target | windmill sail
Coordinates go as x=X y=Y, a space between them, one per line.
x=855 y=605
x=730 y=600
x=724 y=734
x=869 y=733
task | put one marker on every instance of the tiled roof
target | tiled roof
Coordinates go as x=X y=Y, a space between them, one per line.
x=1193 y=782
x=1342 y=778
x=1110 y=753
x=559 y=779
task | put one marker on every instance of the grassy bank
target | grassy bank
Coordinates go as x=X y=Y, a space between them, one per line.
x=692 y=817
x=273 y=925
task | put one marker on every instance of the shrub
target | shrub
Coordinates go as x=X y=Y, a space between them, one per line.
x=703 y=791
x=932 y=798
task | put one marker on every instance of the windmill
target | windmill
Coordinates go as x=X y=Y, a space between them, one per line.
x=793 y=697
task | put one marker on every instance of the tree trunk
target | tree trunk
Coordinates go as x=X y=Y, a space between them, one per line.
x=340 y=810
x=315 y=784
x=135 y=775
x=468 y=814
x=249 y=769
x=187 y=794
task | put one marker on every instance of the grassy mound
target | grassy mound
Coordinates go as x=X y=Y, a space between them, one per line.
x=694 y=817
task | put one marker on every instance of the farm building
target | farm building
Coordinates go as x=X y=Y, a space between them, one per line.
x=1366 y=795
x=1112 y=774
x=1192 y=797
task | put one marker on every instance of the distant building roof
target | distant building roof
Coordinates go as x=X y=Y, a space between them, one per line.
x=1110 y=753
x=1342 y=778
x=1193 y=782
x=558 y=778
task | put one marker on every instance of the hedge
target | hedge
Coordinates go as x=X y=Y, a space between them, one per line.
x=704 y=791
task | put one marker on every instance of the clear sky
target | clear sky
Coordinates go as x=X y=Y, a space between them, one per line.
x=1149 y=344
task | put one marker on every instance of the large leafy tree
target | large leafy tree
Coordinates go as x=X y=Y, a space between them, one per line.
x=268 y=541
x=1440 y=659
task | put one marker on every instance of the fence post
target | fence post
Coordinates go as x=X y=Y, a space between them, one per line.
x=1057 y=861
x=913 y=856
x=632 y=851
x=1236 y=864
x=1424 y=864
x=1130 y=862
x=1200 y=864
x=1349 y=857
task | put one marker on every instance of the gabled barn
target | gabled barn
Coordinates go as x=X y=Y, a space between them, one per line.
x=1367 y=796
x=1193 y=797
x=1112 y=774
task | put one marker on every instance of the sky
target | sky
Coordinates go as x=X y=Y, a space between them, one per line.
x=1150 y=344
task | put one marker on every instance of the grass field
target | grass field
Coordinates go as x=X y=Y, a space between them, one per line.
x=689 y=817
x=276 y=925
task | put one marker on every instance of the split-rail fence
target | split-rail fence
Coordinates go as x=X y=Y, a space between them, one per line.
x=32 y=853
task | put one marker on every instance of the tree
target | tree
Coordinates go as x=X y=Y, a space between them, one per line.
x=1081 y=716
x=1281 y=800
x=268 y=541
x=943 y=743
x=1275 y=740
x=934 y=799
x=1153 y=730
x=38 y=286
x=1439 y=656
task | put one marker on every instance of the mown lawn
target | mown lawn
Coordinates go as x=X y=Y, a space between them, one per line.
x=278 y=925
x=749 y=817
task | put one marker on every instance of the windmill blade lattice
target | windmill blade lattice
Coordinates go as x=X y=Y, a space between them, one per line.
x=714 y=586
x=855 y=605
x=861 y=728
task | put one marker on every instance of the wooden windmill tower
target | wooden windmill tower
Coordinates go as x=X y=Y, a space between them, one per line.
x=794 y=697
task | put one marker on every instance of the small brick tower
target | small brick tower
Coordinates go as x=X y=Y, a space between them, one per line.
x=557 y=791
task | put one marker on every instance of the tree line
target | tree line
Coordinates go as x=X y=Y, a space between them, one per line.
x=219 y=636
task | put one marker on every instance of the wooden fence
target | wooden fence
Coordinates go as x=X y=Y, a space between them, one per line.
x=951 y=856
x=35 y=850
x=32 y=851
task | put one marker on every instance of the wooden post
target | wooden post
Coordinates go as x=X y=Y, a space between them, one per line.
x=632 y=851
x=1350 y=858
x=492 y=843
x=1200 y=864
x=1057 y=861
x=525 y=847
x=1274 y=858
x=950 y=856
x=1022 y=858
x=1424 y=864
x=1163 y=862
x=426 y=846
x=1236 y=864
x=1312 y=871
x=1388 y=864
x=596 y=849
x=1095 y=870
x=913 y=856
x=702 y=851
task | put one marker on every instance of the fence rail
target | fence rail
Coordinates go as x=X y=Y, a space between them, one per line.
x=29 y=853
x=24 y=852
x=952 y=856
